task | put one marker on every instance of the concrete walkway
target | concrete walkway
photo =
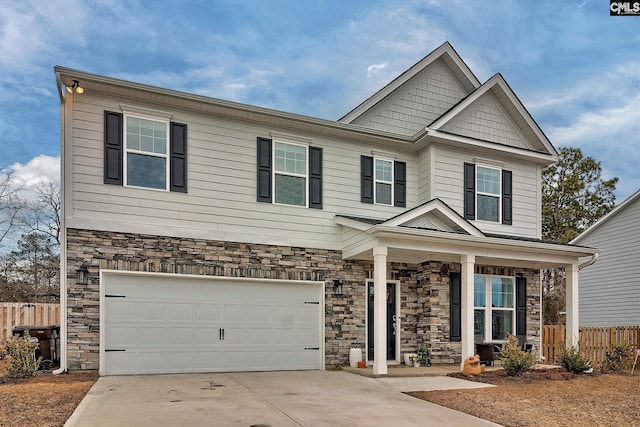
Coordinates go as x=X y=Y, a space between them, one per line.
x=299 y=398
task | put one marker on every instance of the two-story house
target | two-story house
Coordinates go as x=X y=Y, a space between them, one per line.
x=203 y=235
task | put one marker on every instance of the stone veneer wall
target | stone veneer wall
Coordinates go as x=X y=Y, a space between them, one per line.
x=424 y=313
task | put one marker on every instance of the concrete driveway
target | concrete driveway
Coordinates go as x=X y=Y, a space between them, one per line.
x=300 y=398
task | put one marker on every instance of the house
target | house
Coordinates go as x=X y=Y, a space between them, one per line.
x=203 y=235
x=610 y=289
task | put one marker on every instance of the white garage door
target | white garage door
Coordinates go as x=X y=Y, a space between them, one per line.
x=166 y=324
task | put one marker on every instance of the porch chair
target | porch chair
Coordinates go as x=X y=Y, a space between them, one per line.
x=524 y=345
x=486 y=353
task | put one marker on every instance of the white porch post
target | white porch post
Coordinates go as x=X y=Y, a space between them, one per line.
x=380 y=310
x=573 y=327
x=466 y=277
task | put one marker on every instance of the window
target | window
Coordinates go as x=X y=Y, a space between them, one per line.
x=144 y=152
x=290 y=174
x=384 y=182
x=494 y=312
x=487 y=194
x=146 y=162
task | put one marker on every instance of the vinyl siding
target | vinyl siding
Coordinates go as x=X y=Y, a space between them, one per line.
x=448 y=187
x=424 y=175
x=417 y=103
x=610 y=289
x=221 y=199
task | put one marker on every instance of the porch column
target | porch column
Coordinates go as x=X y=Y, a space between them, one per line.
x=573 y=322
x=466 y=299
x=380 y=310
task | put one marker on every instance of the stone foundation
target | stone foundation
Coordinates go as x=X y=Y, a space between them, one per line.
x=424 y=313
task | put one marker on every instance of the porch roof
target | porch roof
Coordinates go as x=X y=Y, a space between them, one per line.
x=435 y=232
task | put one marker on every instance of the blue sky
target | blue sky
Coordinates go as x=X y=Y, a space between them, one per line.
x=575 y=68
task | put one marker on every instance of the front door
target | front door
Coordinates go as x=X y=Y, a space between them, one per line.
x=391 y=321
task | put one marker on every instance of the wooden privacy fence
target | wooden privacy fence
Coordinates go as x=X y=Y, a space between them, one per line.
x=19 y=313
x=594 y=341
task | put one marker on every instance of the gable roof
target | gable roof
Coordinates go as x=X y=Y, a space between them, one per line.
x=517 y=116
x=446 y=52
x=627 y=202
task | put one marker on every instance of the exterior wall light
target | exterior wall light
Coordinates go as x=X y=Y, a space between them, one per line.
x=337 y=287
x=82 y=274
x=75 y=87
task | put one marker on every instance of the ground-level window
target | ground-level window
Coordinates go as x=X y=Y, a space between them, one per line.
x=494 y=312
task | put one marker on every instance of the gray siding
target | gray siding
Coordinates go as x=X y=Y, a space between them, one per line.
x=486 y=120
x=609 y=290
x=425 y=168
x=448 y=186
x=221 y=199
x=417 y=103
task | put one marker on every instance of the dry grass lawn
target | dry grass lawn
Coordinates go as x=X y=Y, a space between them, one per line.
x=548 y=398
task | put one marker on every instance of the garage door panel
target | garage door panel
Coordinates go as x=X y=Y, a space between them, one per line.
x=180 y=324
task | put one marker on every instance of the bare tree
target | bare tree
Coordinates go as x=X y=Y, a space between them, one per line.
x=43 y=214
x=10 y=204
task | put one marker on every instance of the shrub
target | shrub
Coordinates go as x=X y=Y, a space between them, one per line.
x=21 y=351
x=515 y=360
x=618 y=358
x=574 y=360
x=423 y=357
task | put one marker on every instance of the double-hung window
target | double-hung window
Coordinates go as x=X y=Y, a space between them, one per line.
x=488 y=193
x=494 y=307
x=146 y=154
x=384 y=182
x=143 y=149
x=290 y=174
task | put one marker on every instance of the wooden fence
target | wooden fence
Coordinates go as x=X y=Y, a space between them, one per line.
x=594 y=341
x=18 y=313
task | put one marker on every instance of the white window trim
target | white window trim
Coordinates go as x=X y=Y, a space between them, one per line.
x=274 y=172
x=488 y=308
x=376 y=181
x=482 y=193
x=125 y=159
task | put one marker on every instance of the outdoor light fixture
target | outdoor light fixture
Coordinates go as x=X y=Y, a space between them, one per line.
x=75 y=87
x=337 y=287
x=82 y=274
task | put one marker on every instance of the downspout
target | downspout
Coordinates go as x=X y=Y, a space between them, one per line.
x=587 y=263
x=63 y=240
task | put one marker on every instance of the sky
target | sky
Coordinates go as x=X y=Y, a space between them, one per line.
x=575 y=68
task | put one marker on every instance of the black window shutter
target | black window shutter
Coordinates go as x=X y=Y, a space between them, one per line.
x=507 y=200
x=400 y=187
x=264 y=170
x=315 y=177
x=366 y=179
x=469 y=191
x=178 y=169
x=455 y=306
x=113 y=149
x=521 y=306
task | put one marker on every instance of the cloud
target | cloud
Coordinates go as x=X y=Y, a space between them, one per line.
x=373 y=69
x=40 y=169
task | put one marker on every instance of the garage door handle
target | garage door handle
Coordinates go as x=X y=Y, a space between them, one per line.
x=110 y=349
x=312 y=302
x=312 y=348
x=221 y=334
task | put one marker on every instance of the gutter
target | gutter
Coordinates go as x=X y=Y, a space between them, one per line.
x=587 y=263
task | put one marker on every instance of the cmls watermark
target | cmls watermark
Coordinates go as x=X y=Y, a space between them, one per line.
x=620 y=8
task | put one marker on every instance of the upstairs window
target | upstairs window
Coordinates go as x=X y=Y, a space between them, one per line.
x=145 y=152
x=146 y=160
x=488 y=194
x=290 y=174
x=383 y=181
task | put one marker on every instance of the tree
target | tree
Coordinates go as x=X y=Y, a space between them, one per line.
x=33 y=275
x=10 y=203
x=574 y=196
x=43 y=214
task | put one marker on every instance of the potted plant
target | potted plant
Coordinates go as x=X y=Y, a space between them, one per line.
x=407 y=358
x=415 y=359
